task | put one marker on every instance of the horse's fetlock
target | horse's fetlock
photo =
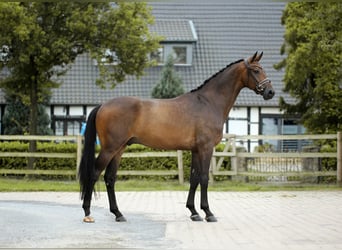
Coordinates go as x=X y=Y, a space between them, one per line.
x=190 y=206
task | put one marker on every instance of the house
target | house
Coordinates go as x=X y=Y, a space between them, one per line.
x=204 y=38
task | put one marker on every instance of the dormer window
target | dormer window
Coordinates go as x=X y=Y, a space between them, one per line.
x=179 y=40
x=179 y=54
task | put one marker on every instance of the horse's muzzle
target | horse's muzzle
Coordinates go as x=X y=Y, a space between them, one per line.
x=268 y=93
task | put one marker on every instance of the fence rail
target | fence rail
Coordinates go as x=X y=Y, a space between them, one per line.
x=230 y=150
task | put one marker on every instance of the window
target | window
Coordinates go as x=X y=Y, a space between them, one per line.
x=179 y=54
x=59 y=127
x=182 y=54
x=67 y=125
x=67 y=120
x=276 y=125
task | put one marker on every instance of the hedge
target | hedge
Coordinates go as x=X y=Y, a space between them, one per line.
x=136 y=163
x=41 y=163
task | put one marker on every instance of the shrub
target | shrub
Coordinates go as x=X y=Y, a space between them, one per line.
x=136 y=163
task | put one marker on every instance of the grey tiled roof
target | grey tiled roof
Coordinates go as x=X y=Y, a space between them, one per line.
x=226 y=32
x=174 y=30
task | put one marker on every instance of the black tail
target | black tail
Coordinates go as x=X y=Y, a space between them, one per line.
x=86 y=170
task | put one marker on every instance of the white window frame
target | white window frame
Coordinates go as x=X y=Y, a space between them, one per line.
x=168 y=48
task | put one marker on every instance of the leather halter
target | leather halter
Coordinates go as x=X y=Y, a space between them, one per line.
x=260 y=86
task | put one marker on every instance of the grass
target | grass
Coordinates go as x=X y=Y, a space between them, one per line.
x=26 y=185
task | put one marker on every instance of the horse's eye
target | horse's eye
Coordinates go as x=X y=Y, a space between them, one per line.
x=256 y=71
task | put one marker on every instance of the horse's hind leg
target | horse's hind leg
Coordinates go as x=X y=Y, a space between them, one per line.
x=88 y=196
x=194 y=181
x=100 y=164
x=110 y=178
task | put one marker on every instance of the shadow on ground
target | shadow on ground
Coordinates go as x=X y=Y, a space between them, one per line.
x=49 y=225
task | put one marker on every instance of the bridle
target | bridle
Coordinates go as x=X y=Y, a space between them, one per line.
x=260 y=86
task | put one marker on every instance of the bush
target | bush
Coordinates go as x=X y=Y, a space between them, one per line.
x=136 y=163
x=41 y=163
x=146 y=163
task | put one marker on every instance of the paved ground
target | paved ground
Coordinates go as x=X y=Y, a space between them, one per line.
x=159 y=220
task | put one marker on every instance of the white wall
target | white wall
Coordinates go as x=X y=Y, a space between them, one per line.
x=59 y=110
x=237 y=122
x=268 y=110
x=89 y=109
x=76 y=110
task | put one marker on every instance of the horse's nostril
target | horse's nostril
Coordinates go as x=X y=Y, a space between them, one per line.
x=272 y=92
x=268 y=93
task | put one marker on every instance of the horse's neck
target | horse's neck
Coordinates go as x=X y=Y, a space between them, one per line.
x=223 y=90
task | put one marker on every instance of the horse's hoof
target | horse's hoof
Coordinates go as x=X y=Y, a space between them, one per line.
x=211 y=218
x=88 y=219
x=120 y=219
x=196 y=217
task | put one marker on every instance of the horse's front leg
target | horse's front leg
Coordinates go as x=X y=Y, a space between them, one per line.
x=110 y=178
x=209 y=216
x=205 y=158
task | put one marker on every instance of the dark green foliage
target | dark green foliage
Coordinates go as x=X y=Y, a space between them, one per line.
x=313 y=72
x=45 y=37
x=143 y=163
x=16 y=119
x=41 y=163
x=170 y=84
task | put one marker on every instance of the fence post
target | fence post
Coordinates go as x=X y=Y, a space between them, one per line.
x=180 y=166
x=233 y=159
x=339 y=158
x=78 y=151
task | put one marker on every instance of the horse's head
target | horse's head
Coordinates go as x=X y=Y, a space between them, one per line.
x=256 y=78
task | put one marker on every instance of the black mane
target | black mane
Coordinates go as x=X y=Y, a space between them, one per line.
x=217 y=73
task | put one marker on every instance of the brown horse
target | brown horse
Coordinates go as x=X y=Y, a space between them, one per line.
x=192 y=121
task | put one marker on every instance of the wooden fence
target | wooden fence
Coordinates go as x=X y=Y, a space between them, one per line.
x=78 y=154
x=239 y=169
x=230 y=151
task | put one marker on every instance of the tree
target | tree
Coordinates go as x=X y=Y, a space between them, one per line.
x=170 y=84
x=16 y=118
x=44 y=37
x=313 y=70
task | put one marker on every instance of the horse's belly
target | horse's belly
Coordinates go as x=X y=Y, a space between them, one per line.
x=164 y=124
x=166 y=137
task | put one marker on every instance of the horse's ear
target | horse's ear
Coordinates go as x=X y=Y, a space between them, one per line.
x=259 y=57
x=254 y=56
